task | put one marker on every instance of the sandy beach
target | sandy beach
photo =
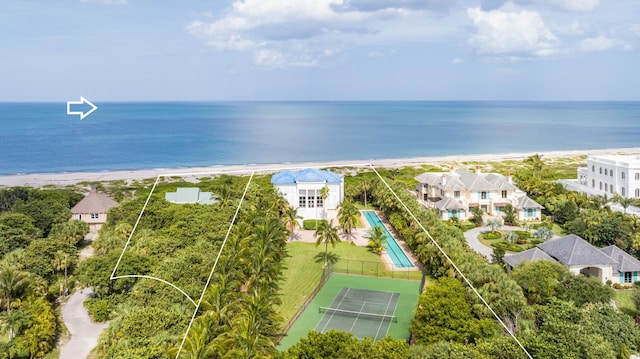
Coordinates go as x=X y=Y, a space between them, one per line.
x=63 y=179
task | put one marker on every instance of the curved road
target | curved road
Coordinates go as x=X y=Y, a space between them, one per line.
x=471 y=237
x=84 y=332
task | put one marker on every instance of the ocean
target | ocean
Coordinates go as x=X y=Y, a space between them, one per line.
x=42 y=138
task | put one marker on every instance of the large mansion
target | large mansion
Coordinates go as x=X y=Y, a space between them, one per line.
x=455 y=193
x=609 y=175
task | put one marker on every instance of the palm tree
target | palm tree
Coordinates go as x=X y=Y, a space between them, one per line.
x=377 y=238
x=59 y=263
x=536 y=164
x=494 y=224
x=624 y=202
x=365 y=187
x=324 y=194
x=328 y=234
x=348 y=217
x=511 y=237
x=291 y=218
x=11 y=283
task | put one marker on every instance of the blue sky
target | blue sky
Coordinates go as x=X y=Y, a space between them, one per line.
x=215 y=50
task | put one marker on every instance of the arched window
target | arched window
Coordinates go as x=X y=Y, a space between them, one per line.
x=622 y=175
x=611 y=173
x=637 y=192
x=593 y=168
x=637 y=176
x=601 y=185
x=593 y=183
x=600 y=170
x=611 y=188
x=605 y=172
x=622 y=192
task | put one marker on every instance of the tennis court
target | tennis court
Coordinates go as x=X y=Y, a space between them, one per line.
x=398 y=300
x=364 y=313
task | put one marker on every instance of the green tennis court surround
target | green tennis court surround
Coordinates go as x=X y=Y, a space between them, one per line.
x=368 y=297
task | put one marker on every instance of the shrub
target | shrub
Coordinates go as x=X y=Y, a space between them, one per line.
x=310 y=224
x=492 y=235
x=522 y=234
x=99 y=308
x=521 y=241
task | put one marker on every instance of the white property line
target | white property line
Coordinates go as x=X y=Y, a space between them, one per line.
x=452 y=263
x=224 y=242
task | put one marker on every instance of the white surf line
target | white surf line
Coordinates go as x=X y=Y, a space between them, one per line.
x=452 y=263
x=262 y=169
x=224 y=242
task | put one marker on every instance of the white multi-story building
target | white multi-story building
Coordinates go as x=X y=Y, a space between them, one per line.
x=455 y=193
x=610 y=175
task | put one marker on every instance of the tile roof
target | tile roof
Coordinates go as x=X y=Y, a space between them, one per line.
x=625 y=261
x=94 y=202
x=448 y=203
x=573 y=250
x=529 y=255
x=306 y=175
x=526 y=202
x=190 y=195
x=462 y=179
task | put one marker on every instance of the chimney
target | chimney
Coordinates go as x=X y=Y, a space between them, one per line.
x=478 y=169
x=443 y=180
x=509 y=178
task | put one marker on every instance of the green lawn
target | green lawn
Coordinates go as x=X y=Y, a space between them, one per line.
x=624 y=302
x=303 y=271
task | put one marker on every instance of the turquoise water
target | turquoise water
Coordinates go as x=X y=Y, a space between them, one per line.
x=394 y=251
x=41 y=137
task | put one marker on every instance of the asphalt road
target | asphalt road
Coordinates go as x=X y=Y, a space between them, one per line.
x=84 y=333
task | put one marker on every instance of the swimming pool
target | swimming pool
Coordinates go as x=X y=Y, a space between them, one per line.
x=394 y=251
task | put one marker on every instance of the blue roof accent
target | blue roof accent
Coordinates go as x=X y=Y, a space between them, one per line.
x=306 y=175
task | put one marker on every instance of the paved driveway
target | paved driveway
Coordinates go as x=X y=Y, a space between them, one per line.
x=84 y=333
x=472 y=239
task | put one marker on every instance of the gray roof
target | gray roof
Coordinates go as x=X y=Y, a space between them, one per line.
x=573 y=250
x=448 y=203
x=462 y=179
x=94 y=202
x=625 y=261
x=526 y=202
x=190 y=195
x=529 y=255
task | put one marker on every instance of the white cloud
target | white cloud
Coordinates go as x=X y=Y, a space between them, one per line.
x=602 y=43
x=290 y=26
x=276 y=59
x=574 y=5
x=457 y=60
x=509 y=33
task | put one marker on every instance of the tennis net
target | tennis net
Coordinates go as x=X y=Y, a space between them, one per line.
x=354 y=314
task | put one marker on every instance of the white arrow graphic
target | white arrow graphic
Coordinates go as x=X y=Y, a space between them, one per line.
x=81 y=102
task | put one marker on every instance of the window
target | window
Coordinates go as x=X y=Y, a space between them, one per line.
x=311 y=196
x=529 y=212
x=605 y=172
x=601 y=185
x=600 y=170
x=499 y=209
x=95 y=215
x=302 y=198
x=611 y=188
x=483 y=195
x=319 y=201
x=504 y=194
x=593 y=183
x=593 y=168
x=622 y=192
x=611 y=173
x=637 y=176
x=456 y=194
x=622 y=174
x=628 y=277
x=637 y=192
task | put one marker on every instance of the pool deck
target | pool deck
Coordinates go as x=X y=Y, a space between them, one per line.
x=359 y=239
